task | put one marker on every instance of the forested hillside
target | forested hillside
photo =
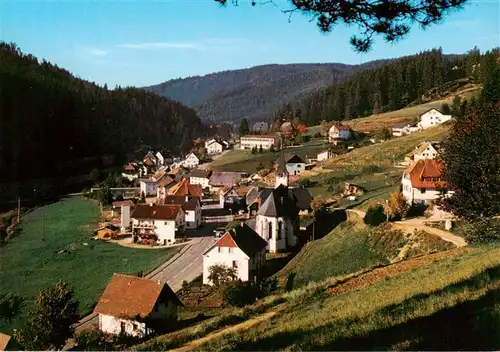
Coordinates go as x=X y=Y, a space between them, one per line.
x=54 y=125
x=253 y=93
x=412 y=79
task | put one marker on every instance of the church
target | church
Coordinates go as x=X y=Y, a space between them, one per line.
x=276 y=210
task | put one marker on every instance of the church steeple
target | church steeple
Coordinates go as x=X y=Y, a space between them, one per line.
x=281 y=172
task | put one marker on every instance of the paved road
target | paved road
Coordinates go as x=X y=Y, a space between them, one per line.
x=187 y=264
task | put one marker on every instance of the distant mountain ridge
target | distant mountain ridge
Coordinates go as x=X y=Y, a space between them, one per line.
x=255 y=93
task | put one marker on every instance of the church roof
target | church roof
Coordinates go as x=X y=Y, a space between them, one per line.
x=281 y=169
x=280 y=202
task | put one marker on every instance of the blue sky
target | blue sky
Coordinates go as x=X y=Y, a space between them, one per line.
x=146 y=42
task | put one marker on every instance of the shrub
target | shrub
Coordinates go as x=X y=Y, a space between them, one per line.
x=94 y=340
x=397 y=206
x=417 y=209
x=482 y=231
x=375 y=216
x=240 y=294
x=220 y=274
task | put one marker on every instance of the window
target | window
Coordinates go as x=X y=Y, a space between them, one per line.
x=219 y=249
x=235 y=264
x=134 y=327
x=165 y=223
x=280 y=229
x=422 y=190
x=122 y=327
x=230 y=250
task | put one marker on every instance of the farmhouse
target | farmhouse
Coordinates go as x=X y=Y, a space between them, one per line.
x=325 y=155
x=425 y=150
x=133 y=306
x=191 y=161
x=130 y=171
x=400 y=129
x=200 y=177
x=240 y=248
x=256 y=141
x=294 y=164
x=158 y=223
x=423 y=181
x=338 y=133
x=192 y=207
x=213 y=147
x=232 y=196
x=431 y=118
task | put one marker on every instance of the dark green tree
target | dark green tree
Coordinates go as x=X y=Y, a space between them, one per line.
x=472 y=158
x=445 y=109
x=490 y=94
x=10 y=306
x=105 y=195
x=391 y=19
x=244 y=127
x=260 y=149
x=455 y=105
x=50 y=322
x=240 y=294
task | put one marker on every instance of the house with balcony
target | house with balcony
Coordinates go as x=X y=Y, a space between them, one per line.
x=423 y=181
x=158 y=224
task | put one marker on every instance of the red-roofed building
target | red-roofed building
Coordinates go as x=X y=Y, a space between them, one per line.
x=240 y=248
x=129 y=301
x=184 y=188
x=423 y=181
x=159 y=224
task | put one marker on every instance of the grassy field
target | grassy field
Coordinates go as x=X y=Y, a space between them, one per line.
x=378 y=121
x=446 y=302
x=353 y=246
x=245 y=161
x=64 y=250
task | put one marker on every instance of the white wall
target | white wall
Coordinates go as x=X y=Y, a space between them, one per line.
x=149 y=188
x=432 y=118
x=214 y=148
x=164 y=229
x=226 y=256
x=191 y=161
x=199 y=181
x=193 y=218
x=428 y=153
x=295 y=168
x=324 y=156
x=415 y=195
x=273 y=243
x=113 y=325
x=254 y=141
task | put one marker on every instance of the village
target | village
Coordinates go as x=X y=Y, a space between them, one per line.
x=232 y=220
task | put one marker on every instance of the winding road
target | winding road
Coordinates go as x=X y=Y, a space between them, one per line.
x=186 y=265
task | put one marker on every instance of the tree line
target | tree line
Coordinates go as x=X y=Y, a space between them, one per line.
x=408 y=80
x=55 y=124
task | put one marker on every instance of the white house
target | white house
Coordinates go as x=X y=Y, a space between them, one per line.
x=431 y=118
x=423 y=181
x=148 y=187
x=325 y=155
x=213 y=147
x=160 y=160
x=129 y=301
x=260 y=127
x=425 y=150
x=191 y=206
x=200 y=177
x=191 y=161
x=338 y=132
x=251 y=141
x=240 y=248
x=294 y=164
x=158 y=223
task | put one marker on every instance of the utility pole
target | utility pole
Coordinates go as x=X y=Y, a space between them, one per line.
x=18 y=210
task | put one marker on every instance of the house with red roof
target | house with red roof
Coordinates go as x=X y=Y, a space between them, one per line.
x=423 y=181
x=191 y=206
x=135 y=306
x=240 y=248
x=152 y=223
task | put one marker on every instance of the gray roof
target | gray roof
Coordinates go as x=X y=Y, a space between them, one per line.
x=225 y=178
x=200 y=173
x=303 y=197
x=281 y=169
x=279 y=203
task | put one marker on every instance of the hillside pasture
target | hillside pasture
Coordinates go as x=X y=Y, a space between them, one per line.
x=243 y=160
x=55 y=244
